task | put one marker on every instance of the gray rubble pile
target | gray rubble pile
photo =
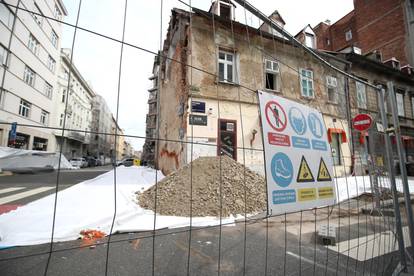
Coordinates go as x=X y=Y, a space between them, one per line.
x=173 y=192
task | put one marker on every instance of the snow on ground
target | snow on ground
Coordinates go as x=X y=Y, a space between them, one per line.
x=90 y=205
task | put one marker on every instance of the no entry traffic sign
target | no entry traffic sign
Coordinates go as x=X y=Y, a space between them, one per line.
x=275 y=116
x=362 y=122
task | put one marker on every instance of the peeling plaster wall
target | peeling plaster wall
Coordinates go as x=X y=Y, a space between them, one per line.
x=183 y=83
x=173 y=100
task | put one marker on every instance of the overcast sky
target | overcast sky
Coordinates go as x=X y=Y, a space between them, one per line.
x=97 y=58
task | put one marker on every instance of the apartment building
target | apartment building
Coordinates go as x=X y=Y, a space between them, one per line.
x=29 y=52
x=102 y=142
x=149 y=148
x=218 y=111
x=366 y=100
x=76 y=103
x=382 y=26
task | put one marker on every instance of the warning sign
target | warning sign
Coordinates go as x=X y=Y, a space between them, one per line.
x=297 y=155
x=323 y=173
x=326 y=192
x=307 y=194
x=275 y=116
x=304 y=172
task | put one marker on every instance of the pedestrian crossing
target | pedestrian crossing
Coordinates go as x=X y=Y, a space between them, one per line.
x=12 y=197
x=24 y=194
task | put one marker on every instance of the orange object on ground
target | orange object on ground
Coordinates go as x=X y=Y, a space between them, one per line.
x=90 y=236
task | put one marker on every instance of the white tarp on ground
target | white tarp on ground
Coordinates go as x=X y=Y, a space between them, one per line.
x=353 y=186
x=90 y=205
x=11 y=158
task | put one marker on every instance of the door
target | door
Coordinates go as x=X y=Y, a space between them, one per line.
x=227 y=138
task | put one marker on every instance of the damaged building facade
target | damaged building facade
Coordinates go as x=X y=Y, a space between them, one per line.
x=210 y=107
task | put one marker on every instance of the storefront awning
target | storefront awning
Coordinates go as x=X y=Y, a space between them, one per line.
x=337 y=131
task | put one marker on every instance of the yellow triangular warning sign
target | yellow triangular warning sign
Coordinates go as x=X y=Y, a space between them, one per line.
x=323 y=173
x=304 y=172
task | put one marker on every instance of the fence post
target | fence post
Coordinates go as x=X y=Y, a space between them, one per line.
x=373 y=177
x=403 y=168
x=391 y=172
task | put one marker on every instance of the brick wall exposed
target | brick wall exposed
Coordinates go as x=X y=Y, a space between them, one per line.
x=375 y=25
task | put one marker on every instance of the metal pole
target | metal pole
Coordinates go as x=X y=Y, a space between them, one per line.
x=403 y=168
x=371 y=163
x=388 y=151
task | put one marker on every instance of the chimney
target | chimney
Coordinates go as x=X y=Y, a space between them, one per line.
x=327 y=22
x=393 y=63
x=407 y=69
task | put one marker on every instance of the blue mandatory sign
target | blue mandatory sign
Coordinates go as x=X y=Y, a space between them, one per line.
x=282 y=169
x=297 y=120
x=315 y=125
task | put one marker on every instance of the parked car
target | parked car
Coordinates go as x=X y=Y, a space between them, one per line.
x=90 y=160
x=78 y=162
x=98 y=162
x=127 y=162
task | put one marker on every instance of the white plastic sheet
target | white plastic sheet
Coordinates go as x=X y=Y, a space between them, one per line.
x=90 y=205
x=11 y=158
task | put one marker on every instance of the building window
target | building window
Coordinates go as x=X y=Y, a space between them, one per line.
x=412 y=104
x=3 y=55
x=61 y=119
x=48 y=90
x=65 y=75
x=51 y=64
x=348 y=35
x=56 y=13
x=6 y=16
x=29 y=76
x=38 y=17
x=306 y=83
x=44 y=115
x=226 y=64
x=24 y=108
x=33 y=44
x=310 y=40
x=336 y=149
x=54 y=38
x=361 y=95
x=400 y=103
x=332 y=86
x=63 y=95
x=271 y=74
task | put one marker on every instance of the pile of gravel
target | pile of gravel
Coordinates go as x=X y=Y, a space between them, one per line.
x=173 y=192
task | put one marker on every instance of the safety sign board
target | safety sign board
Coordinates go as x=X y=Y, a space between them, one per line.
x=304 y=173
x=323 y=172
x=275 y=116
x=298 y=162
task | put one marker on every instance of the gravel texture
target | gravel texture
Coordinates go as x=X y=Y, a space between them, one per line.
x=173 y=192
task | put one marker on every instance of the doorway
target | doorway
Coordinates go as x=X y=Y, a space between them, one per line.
x=227 y=138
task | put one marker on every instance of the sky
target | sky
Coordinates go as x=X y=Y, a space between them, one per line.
x=98 y=58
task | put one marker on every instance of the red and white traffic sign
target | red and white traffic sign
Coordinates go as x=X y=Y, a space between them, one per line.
x=275 y=116
x=362 y=122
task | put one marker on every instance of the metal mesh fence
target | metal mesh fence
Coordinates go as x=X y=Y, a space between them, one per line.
x=357 y=235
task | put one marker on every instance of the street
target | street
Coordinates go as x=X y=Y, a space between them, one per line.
x=20 y=189
x=277 y=246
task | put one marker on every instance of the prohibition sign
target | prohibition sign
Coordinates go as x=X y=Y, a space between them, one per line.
x=275 y=116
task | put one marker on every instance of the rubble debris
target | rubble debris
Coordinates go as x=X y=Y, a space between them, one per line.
x=173 y=192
